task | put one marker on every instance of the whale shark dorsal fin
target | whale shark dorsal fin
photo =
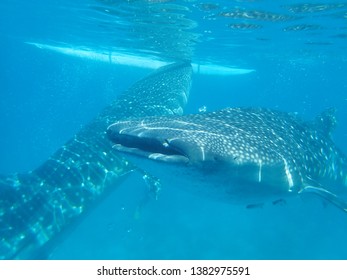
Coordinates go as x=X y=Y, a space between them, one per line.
x=327 y=195
x=326 y=121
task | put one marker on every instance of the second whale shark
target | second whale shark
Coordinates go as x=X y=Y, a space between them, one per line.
x=245 y=154
x=36 y=208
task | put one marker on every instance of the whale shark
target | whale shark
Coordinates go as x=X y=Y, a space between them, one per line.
x=36 y=208
x=247 y=155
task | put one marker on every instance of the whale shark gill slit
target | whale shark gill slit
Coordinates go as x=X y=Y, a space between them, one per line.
x=37 y=207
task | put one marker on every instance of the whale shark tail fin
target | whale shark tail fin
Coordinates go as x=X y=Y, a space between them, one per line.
x=325 y=123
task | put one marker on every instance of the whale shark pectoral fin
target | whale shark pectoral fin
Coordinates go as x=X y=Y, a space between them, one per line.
x=327 y=195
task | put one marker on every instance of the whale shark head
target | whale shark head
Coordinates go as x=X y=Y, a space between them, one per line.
x=167 y=139
x=196 y=138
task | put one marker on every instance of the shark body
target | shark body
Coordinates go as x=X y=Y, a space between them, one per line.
x=35 y=208
x=251 y=154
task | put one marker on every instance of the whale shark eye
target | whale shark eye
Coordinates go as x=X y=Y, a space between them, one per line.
x=166 y=143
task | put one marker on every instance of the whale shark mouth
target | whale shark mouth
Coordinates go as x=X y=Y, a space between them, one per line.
x=135 y=141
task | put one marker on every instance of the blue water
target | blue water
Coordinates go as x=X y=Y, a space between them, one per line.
x=46 y=97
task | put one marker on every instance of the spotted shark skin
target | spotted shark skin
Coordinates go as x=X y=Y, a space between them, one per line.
x=36 y=208
x=251 y=151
